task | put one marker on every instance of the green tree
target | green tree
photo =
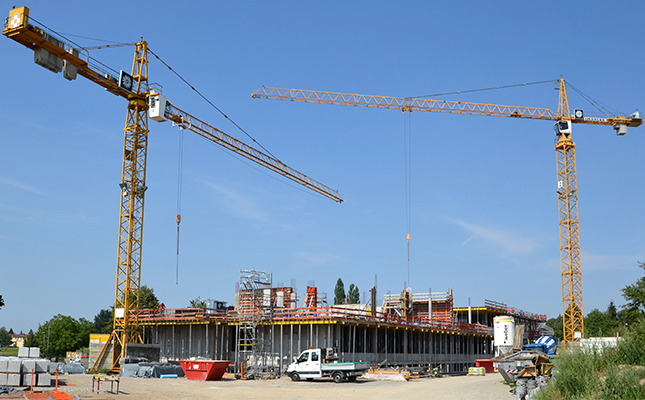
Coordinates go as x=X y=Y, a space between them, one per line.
x=353 y=294
x=104 y=321
x=635 y=295
x=63 y=333
x=556 y=324
x=198 y=303
x=147 y=298
x=31 y=340
x=596 y=324
x=5 y=338
x=339 y=292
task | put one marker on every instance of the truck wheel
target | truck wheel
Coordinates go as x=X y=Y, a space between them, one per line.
x=351 y=378
x=295 y=376
x=338 y=377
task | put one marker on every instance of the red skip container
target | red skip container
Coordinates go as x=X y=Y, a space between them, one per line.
x=204 y=370
x=487 y=364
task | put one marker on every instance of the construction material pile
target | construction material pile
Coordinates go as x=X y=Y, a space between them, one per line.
x=528 y=376
x=28 y=369
x=152 y=370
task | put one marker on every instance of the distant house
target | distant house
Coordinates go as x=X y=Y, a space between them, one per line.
x=17 y=340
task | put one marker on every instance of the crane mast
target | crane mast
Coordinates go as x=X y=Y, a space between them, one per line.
x=571 y=269
x=133 y=189
x=56 y=53
x=570 y=264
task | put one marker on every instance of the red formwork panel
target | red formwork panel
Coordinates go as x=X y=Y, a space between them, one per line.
x=204 y=370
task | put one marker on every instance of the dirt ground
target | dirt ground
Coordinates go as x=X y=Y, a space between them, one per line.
x=489 y=387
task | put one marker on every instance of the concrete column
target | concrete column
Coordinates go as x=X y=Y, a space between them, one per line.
x=291 y=344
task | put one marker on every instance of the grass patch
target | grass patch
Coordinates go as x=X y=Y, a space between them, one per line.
x=9 y=351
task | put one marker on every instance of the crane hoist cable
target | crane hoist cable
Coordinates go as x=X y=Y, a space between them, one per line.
x=407 y=150
x=179 y=186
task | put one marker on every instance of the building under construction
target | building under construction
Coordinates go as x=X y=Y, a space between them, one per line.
x=266 y=328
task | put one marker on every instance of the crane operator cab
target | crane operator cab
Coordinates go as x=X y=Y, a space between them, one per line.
x=159 y=106
x=562 y=128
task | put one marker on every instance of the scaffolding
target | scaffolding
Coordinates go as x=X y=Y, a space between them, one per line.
x=255 y=306
x=431 y=307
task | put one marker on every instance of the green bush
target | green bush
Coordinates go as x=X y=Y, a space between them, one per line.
x=577 y=374
x=600 y=374
x=632 y=349
x=624 y=384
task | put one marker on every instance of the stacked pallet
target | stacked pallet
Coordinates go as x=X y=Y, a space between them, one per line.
x=25 y=370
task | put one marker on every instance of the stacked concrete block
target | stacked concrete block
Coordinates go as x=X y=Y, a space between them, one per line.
x=13 y=379
x=28 y=366
x=53 y=367
x=44 y=379
x=23 y=352
x=10 y=368
x=14 y=365
x=42 y=365
x=42 y=369
x=4 y=364
x=27 y=379
x=34 y=352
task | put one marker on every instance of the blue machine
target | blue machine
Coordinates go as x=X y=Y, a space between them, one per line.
x=546 y=344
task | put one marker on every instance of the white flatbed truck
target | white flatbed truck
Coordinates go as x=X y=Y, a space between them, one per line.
x=321 y=363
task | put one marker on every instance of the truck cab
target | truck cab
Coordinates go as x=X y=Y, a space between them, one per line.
x=307 y=365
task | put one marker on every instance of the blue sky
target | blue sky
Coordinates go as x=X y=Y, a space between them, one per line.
x=483 y=205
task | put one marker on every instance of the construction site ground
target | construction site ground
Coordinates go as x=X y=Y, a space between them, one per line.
x=488 y=387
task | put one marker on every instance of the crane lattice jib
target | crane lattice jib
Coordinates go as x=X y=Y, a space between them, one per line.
x=417 y=104
x=187 y=121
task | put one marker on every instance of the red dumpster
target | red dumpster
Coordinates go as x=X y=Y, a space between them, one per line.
x=487 y=364
x=204 y=370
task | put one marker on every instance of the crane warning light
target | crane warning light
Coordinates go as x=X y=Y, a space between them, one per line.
x=407 y=236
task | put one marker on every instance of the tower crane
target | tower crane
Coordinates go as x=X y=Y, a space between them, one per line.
x=571 y=271
x=58 y=54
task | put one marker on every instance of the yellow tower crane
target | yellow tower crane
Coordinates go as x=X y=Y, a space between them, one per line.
x=58 y=54
x=572 y=313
